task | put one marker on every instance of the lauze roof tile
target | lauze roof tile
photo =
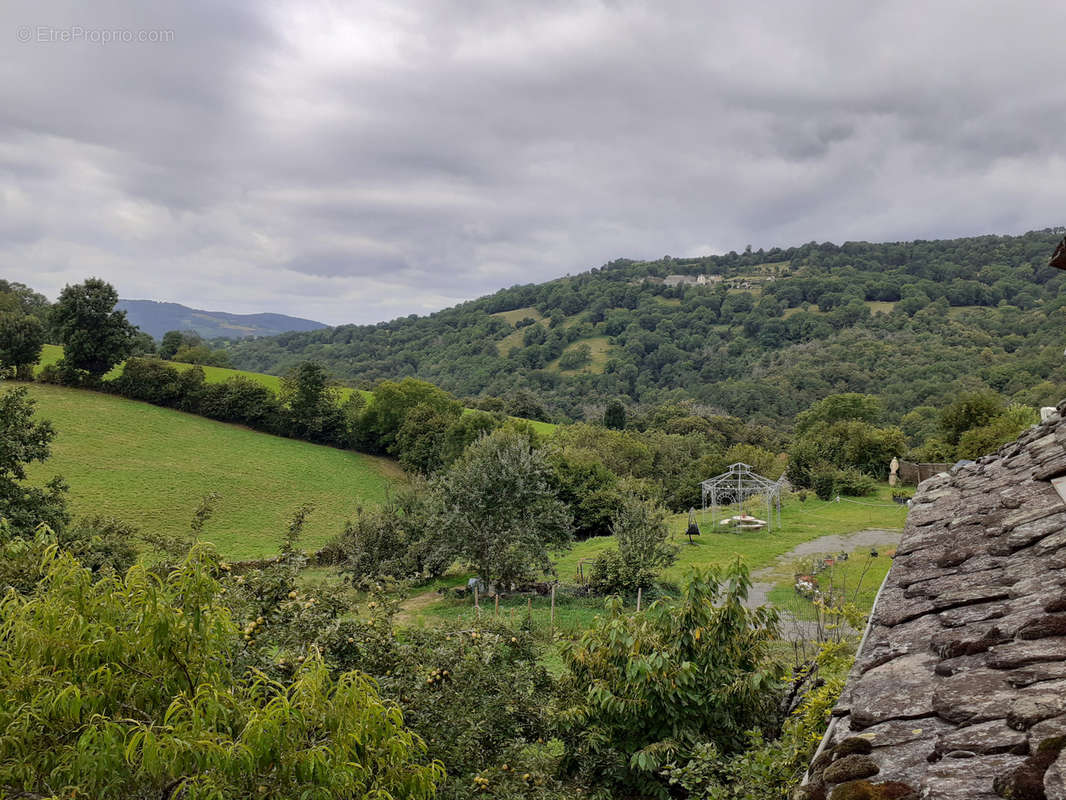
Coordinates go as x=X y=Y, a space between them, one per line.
x=959 y=691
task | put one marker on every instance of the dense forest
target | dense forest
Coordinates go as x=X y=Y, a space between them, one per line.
x=763 y=336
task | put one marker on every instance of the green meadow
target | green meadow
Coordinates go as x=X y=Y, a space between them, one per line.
x=151 y=466
x=801 y=521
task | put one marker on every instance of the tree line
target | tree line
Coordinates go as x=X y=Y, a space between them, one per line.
x=840 y=444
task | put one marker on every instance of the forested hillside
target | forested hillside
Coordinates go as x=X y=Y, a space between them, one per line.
x=762 y=335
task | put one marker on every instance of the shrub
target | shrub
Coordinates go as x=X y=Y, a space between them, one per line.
x=51 y=374
x=608 y=574
x=374 y=544
x=479 y=698
x=244 y=401
x=854 y=483
x=150 y=381
x=823 y=481
x=104 y=545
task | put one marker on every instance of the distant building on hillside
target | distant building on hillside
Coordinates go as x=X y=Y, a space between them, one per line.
x=693 y=280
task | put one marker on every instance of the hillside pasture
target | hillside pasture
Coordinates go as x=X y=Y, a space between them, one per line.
x=151 y=466
x=516 y=315
x=599 y=347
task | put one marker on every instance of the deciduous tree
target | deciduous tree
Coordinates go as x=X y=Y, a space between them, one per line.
x=132 y=687
x=23 y=441
x=21 y=340
x=495 y=509
x=95 y=336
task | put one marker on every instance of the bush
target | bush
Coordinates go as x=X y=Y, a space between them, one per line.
x=479 y=698
x=608 y=574
x=49 y=374
x=374 y=544
x=854 y=483
x=150 y=381
x=243 y=401
x=104 y=545
x=823 y=481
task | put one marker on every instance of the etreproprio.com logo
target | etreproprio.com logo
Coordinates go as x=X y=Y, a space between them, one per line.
x=70 y=34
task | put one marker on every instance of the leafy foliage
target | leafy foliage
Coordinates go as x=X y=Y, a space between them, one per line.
x=649 y=687
x=914 y=323
x=494 y=509
x=21 y=339
x=23 y=441
x=126 y=687
x=313 y=402
x=643 y=549
x=95 y=336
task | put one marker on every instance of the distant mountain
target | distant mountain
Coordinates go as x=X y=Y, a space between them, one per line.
x=157 y=318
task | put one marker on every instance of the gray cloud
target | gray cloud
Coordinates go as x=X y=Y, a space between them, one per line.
x=362 y=162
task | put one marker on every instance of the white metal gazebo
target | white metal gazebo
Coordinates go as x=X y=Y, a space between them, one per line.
x=737 y=485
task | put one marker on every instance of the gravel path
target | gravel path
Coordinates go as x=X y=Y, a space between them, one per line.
x=835 y=543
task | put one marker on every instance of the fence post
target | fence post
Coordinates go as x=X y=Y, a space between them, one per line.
x=553 y=607
x=477 y=608
x=639 y=590
x=496 y=611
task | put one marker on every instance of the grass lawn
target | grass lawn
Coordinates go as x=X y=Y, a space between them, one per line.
x=572 y=614
x=151 y=466
x=853 y=581
x=800 y=522
x=518 y=314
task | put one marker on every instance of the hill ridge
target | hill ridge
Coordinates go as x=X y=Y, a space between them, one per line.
x=925 y=318
x=156 y=317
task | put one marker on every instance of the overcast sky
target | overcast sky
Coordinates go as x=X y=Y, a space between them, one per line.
x=354 y=162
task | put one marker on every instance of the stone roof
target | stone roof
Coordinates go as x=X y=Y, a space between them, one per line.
x=959 y=690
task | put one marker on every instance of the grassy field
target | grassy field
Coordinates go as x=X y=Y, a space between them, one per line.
x=884 y=306
x=599 y=346
x=853 y=581
x=514 y=338
x=800 y=522
x=150 y=466
x=518 y=314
